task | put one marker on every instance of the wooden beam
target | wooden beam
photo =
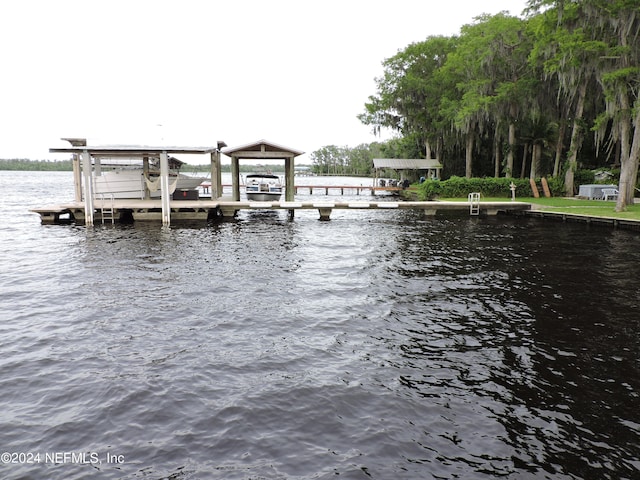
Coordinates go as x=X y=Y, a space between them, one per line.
x=88 y=188
x=164 y=189
x=289 y=180
x=235 y=178
x=248 y=154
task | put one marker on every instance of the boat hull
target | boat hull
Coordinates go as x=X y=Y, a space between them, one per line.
x=264 y=196
x=263 y=187
x=131 y=184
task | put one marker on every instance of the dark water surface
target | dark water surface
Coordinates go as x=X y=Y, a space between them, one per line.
x=380 y=344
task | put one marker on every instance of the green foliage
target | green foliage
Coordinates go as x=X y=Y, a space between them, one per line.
x=35 y=165
x=430 y=189
x=461 y=187
x=584 y=177
x=358 y=161
x=518 y=82
x=556 y=186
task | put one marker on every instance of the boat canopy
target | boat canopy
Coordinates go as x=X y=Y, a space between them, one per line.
x=262 y=175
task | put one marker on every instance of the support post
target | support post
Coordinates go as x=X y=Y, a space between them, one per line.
x=289 y=179
x=216 y=178
x=146 y=194
x=77 y=177
x=164 y=189
x=88 y=188
x=77 y=169
x=325 y=213
x=235 y=178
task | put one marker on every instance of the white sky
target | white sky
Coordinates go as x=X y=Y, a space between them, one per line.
x=192 y=72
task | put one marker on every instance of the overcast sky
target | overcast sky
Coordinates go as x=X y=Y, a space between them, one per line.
x=192 y=72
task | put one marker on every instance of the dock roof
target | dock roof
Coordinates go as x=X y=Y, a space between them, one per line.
x=406 y=163
x=262 y=149
x=132 y=150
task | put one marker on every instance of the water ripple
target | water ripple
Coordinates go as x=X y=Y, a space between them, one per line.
x=376 y=345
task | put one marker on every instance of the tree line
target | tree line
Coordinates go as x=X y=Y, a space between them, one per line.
x=515 y=96
x=25 y=164
x=33 y=165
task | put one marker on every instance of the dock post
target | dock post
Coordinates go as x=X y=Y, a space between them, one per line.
x=325 y=213
x=216 y=190
x=88 y=188
x=289 y=179
x=235 y=178
x=164 y=189
x=77 y=177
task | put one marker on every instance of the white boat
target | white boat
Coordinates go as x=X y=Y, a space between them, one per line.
x=132 y=182
x=263 y=187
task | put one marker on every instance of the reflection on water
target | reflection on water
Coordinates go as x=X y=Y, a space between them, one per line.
x=379 y=344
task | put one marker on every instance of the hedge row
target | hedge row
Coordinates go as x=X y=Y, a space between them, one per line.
x=456 y=187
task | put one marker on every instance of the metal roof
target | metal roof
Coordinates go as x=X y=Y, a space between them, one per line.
x=262 y=149
x=132 y=150
x=406 y=163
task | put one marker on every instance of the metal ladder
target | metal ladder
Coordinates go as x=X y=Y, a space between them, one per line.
x=107 y=212
x=474 y=203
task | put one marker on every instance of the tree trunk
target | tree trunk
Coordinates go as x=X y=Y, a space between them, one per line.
x=523 y=167
x=512 y=147
x=469 y=153
x=535 y=160
x=576 y=139
x=629 y=169
x=496 y=155
x=559 y=146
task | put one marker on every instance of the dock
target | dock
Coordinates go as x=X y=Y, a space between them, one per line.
x=357 y=189
x=127 y=210
x=326 y=189
x=114 y=203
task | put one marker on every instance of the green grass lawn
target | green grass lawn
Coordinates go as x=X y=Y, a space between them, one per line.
x=595 y=208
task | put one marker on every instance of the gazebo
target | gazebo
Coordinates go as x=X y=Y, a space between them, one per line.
x=262 y=150
x=432 y=167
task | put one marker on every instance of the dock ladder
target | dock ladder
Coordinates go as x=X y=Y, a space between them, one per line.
x=107 y=209
x=474 y=203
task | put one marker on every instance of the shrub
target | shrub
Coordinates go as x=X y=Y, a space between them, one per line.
x=460 y=187
x=584 y=177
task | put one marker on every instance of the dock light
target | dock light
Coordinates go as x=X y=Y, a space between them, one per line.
x=221 y=145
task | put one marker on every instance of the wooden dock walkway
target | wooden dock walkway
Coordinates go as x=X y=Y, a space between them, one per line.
x=108 y=211
x=327 y=189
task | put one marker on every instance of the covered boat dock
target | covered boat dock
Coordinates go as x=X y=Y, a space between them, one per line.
x=262 y=150
x=430 y=167
x=87 y=165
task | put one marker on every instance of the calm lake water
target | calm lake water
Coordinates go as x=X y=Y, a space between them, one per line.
x=380 y=344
